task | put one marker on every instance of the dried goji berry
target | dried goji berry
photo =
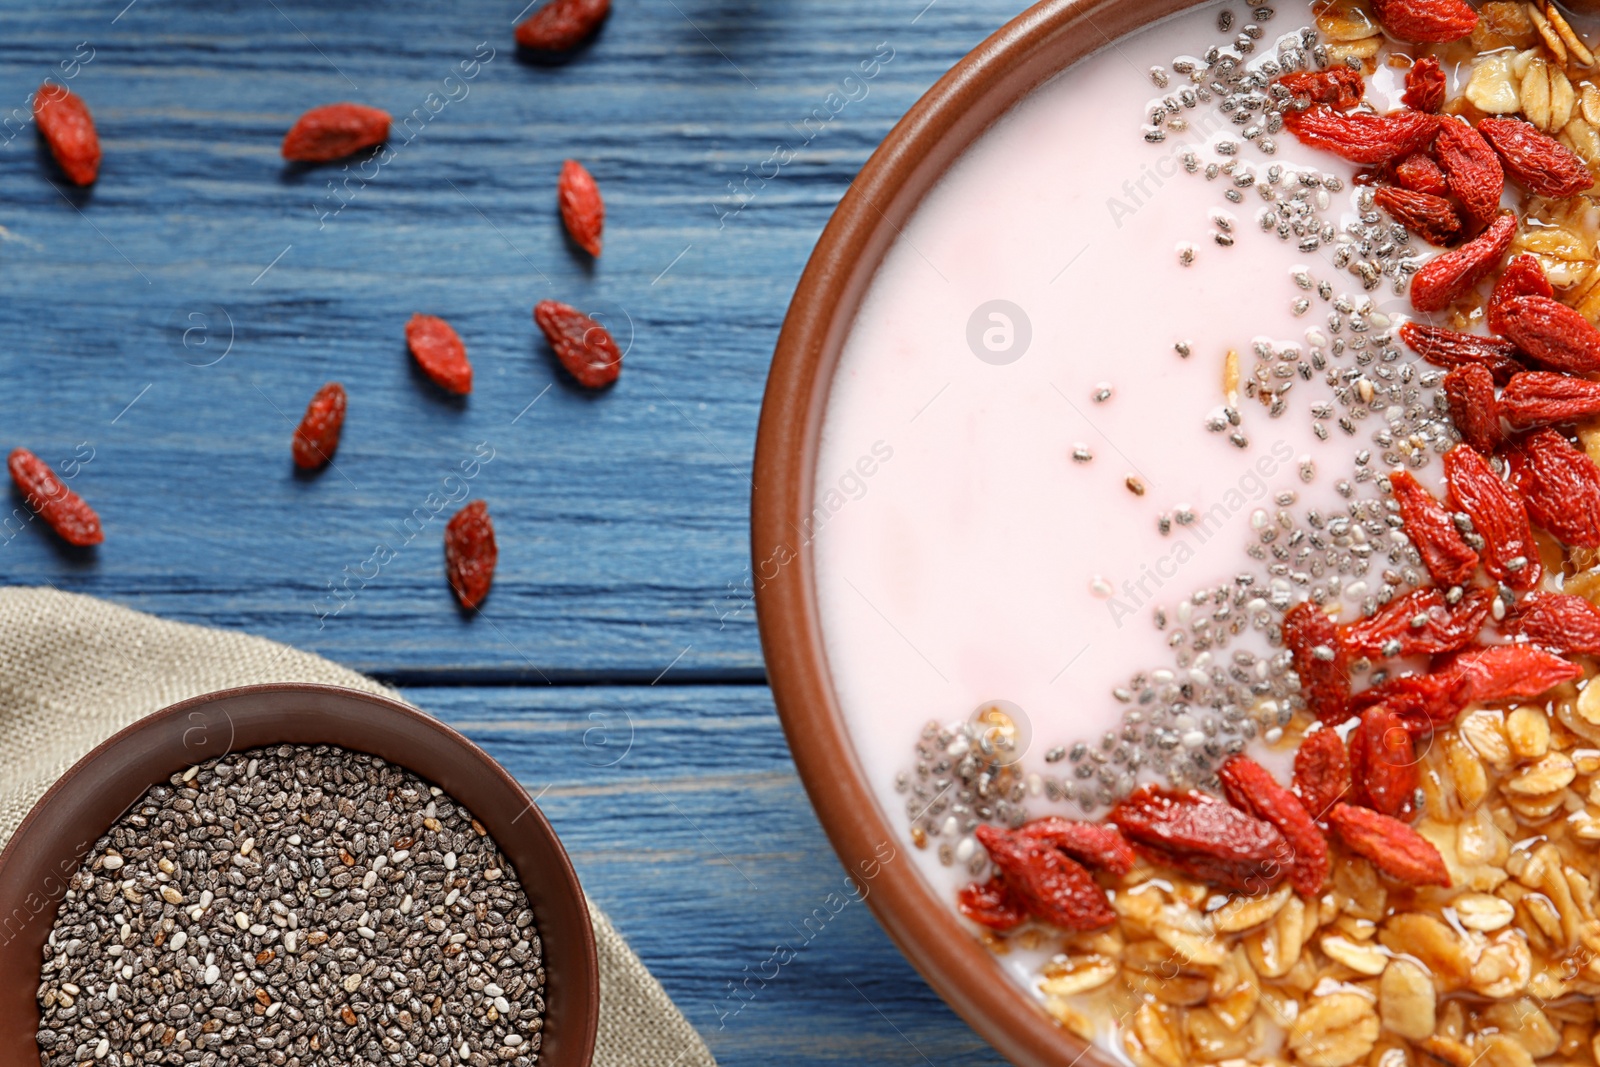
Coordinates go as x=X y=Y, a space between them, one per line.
x=1393 y=847
x=1383 y=763
x=1320 y=661
x=582 y=210
x=1498 y=514
x=1050 y=886
x=1522 y=277
x=1449 y=348
x=562 y=24
x=1506 y=672
x=1251 y=788
x=1448 y=558
x=1340 y=87
x=1426 y=21
x=68 y=128
x=1360 y=137
x=1321 y=772
x=1544 y=398
x=317 y=437
x=470 y=553
x=1559 y=622
x=1452 y=274
x=582 y=345
x=1549 y=332
x=439 y=352
x=1093 y=844
x=1470 y=393
x=334 y=131
x=1538 y=162
x=1432 y=697
x=1432 y=218
x=1419 y=173
x=992 y=904
x=1424 y=85
x=1419 y=623
x=65 y=511
x=1472 y=169
x=1561 y=486
x=1203 y=837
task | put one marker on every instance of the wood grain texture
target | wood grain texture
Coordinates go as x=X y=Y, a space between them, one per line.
x=622 y=516
x=174 y=320
x=683 y=815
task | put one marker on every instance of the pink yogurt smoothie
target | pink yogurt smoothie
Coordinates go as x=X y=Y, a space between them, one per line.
x=1029 y=312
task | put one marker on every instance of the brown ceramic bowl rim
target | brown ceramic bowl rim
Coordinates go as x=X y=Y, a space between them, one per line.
x=1039 y=43
x=301 y=714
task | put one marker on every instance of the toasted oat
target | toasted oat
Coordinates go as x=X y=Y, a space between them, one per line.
x=1406 y=1000
x=1493 y=88
x=1335 y=1030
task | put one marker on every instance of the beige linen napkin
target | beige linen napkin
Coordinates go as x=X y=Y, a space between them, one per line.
x=74 y=670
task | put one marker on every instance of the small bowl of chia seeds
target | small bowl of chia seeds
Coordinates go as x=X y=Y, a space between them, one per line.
x=292 y=875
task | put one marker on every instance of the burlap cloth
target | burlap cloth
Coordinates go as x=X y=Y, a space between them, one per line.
x=74 y=670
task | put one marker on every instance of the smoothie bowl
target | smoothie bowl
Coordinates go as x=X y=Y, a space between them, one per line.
x=1177 y=533
x=292 y=873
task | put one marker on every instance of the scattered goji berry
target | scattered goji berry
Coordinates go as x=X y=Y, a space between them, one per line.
x=1538 y=162
x=1452 y=274
x=1049 y=886
x=1321 y=772
x=1432 y=697
x=68 y=129
x=1418 y=623
x=1561 y=486
x=1339 y=87
x=1426 y=21
x=1448 y=558
x=1424 y=85
x=1095 y=845
x=1470 y=393
x=561 y=25
x=334 y=131
x=470 y=553
x=991 y=904
x=1498 y=514
x=1544 y=398
x=1557 y=621
x=1251 y=788
x=1449 y=348
x=65 y=511
x=582 y=210
x=1472 y=169
x=1419 y=173
x=1320 y=661
x=1522 y=277
x=1204 y=837
x=1383 y=763
x=1549 y=332
x=317 y=437
x=582 y=345
x=439 y=352
x=1360 y=137
x=1432 y=218
x=1393 y=847
x=1506 y=672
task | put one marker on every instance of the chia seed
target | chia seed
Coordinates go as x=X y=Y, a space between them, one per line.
x=293 y=905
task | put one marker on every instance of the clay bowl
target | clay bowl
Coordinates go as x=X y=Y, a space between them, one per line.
x=997 y=74
x=84 y=803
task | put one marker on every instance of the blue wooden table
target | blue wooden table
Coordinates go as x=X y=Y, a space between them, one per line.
x=171 y=323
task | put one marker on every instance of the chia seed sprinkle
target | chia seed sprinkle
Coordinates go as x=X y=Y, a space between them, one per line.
x=293 y=905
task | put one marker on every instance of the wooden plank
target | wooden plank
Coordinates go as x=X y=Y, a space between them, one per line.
x=622 y=517
x=682 y=812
